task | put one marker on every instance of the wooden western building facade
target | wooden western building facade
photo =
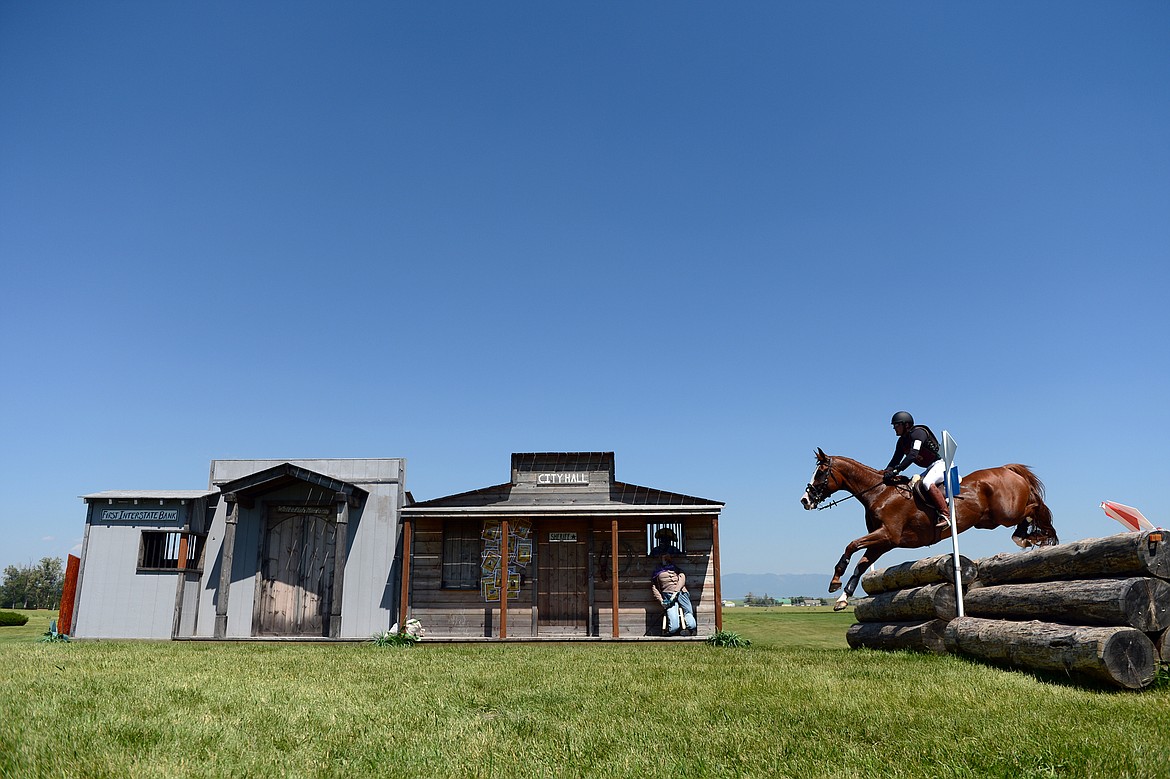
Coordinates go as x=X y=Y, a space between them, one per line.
x=560 y=551
x=335 y=549
x=273 y=549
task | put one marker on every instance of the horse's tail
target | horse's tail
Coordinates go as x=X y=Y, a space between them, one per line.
x=1040 y=514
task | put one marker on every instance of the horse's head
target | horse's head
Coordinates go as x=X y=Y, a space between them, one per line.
x=824 y=482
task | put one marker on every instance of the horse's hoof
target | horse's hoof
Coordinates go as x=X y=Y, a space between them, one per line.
x=834 y=586
x=840 y=605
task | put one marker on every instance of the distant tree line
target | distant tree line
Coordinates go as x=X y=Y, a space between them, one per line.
x=33 y=586
x=798 y=600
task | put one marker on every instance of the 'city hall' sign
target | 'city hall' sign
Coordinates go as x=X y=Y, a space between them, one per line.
x=562 y=478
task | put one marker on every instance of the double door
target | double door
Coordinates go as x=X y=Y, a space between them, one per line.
x=295 y=589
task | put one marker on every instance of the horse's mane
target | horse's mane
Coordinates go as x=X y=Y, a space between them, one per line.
x=857 y=463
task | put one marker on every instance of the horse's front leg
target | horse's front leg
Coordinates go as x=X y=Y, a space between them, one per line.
x=839 y=571
x=871 y=555
x=876 y=538
x=850 y=550
x=851 y=585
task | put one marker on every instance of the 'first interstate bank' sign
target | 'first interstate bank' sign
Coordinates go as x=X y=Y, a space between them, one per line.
x=140 y=515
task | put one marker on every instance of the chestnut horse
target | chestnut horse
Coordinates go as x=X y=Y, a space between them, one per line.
x=990 y=498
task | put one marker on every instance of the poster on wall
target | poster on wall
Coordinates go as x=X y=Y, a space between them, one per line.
x=494 y=569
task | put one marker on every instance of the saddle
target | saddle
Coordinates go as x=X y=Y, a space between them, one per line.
x=913 y=488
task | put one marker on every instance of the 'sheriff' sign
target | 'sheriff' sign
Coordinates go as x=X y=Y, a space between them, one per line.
x=140 y=515
x=562 y=478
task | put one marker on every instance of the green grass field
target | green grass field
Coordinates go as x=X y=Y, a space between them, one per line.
x=797 y=703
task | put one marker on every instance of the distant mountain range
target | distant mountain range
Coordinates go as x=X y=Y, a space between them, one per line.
x=779 y=585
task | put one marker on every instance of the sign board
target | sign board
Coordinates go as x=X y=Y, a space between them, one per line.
x=554 y=537
x=550 y=479
x=140 y=515
x=948 y=452
x=323 y=510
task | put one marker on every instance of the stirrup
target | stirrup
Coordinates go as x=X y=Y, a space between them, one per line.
x=943 y=523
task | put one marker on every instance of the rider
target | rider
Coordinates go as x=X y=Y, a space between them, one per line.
x=918 y=446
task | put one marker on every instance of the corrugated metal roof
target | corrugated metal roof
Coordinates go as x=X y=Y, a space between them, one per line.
x=619 y=492
x=286 y=473
x=562 y=461
x=149 y=494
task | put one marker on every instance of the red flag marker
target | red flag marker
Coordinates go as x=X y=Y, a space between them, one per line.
x=1128 y=516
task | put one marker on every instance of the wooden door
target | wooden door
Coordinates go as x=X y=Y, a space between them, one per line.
x=563 y=573
x=296 y=575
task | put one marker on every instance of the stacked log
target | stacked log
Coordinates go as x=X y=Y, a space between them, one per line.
x=1098 y=608
x=909 y=605
x=1121 y=656
x=1135 y=602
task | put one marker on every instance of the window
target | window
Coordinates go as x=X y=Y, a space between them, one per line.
x=161 y=551
x=462 y=555
x=662 y=535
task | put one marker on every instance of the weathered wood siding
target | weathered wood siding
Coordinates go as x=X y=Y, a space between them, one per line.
x=296 y=574
x=464 y=613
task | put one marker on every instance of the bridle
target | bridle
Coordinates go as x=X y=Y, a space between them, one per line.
x=816 y=492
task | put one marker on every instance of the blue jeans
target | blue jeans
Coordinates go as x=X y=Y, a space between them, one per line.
x=684 y=600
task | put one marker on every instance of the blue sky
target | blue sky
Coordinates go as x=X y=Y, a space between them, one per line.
x=710 y=239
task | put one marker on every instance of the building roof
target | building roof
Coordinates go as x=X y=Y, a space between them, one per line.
x=284 y=474
x=600 y=496
x=619 y=492
x=531 y=462
x=149 y=495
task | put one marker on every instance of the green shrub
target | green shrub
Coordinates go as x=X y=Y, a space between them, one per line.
x=408 y=636
x=12 y=618
x=728 y=638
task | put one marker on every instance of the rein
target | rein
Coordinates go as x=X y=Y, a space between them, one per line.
x=838 y=502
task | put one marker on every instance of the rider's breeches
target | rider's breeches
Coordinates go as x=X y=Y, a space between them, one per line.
x=934 y=474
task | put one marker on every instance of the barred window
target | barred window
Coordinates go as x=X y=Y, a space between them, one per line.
x=462 y=555
x=162 y=550
x=660 y=536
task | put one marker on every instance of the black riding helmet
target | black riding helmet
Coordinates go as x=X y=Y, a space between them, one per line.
x=902 y=417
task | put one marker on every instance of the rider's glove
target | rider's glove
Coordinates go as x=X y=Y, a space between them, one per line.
x=889 y=475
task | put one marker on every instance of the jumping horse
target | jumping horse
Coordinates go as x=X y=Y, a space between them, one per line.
x=896 y=518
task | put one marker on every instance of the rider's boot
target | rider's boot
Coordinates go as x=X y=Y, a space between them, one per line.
x=940 y=503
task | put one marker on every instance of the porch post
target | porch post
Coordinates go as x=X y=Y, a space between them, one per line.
x=225 y=566
x=715 y=561
x=404 y=595
x=340 y=554
x=504 y=578
x=613 y=545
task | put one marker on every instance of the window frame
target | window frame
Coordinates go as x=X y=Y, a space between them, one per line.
x=466 y=540
x=679 y=528
x=162 y=547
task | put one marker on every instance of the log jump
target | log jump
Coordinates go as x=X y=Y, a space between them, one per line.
x=1098 y=608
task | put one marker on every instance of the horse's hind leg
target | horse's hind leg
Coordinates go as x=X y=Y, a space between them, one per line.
x=1036 y=527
